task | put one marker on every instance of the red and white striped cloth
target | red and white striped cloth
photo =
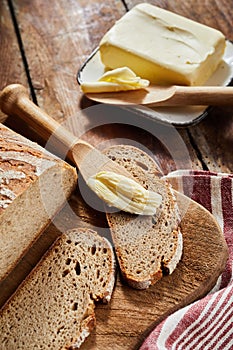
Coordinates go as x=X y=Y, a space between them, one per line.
x=206 y=324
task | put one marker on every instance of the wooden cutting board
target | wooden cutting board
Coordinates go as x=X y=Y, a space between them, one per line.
x=132 y=314
x=128 y=319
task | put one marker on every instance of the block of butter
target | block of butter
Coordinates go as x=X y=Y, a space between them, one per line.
x=163 y=47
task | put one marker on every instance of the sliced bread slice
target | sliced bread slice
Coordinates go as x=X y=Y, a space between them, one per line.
x=34 y=185
x=147 y=247
x=54 y=306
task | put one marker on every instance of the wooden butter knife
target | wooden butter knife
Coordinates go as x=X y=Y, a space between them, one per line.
x=14 y=100
x=156 y=96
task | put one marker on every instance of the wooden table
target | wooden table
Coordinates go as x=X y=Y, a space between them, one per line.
x=42 y=46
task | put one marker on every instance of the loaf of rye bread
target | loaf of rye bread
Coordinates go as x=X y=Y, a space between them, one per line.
x=34 y=185
x=147 y=247
x=54 y=307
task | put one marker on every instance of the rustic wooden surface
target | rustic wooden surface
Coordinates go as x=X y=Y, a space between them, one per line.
x=42 y=45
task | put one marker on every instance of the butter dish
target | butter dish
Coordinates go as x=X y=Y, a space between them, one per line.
x=93 y=68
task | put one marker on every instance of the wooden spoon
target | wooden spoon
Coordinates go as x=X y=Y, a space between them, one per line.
x=155 y=96
x=14 y=101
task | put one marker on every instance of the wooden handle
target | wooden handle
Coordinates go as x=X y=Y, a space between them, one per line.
x=203 y=95
x=14 y=100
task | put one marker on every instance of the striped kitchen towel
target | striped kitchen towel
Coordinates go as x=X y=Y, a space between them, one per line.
x=207 y=323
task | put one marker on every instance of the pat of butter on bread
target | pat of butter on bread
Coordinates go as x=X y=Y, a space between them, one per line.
x=163 y=47
x=124 y=193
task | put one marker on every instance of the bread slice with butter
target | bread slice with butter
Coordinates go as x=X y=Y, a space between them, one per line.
x=147 y=247
x=34 y=185
x=162 y=46
x=54 y=307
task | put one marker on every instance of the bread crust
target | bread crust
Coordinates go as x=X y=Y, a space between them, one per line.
x=86 y=327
